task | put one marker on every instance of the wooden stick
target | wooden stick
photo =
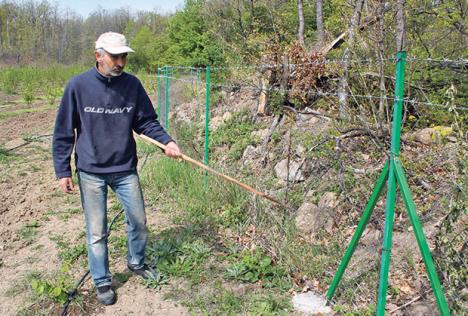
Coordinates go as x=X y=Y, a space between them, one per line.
x=219 y=174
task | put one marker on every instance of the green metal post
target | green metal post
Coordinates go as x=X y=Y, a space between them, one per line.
x=207 y=114
x=166 y=112
x=158 y=72
x=391 y=190
x=421 y=239
x=360 y=229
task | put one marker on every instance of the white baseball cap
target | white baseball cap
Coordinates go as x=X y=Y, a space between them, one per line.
x=113 y=43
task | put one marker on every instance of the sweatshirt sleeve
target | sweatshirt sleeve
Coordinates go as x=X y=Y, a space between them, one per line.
x=64 y=133
x=146 y=121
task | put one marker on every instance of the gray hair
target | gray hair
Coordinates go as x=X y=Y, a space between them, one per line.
x=101 y=52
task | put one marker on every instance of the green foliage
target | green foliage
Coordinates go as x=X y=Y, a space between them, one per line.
x=53 y=290
x=67 y=252
x=156 y=282
x=31 y=81
x=235 y=133
x=255 y=266
x=29 y=230
x=180 y=257
x=450 y=242
x=5 y=155
x=191 y=43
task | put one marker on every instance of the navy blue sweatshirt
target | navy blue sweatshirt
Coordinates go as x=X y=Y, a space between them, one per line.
x=104 y=111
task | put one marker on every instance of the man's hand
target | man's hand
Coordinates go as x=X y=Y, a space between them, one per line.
x=66 y=185
x=172 y=150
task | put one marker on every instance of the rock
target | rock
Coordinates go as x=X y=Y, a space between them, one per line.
x=216 y=121
x=295 y=172
x=424 y=136
x=261 y=134
x=328 y=200
x=311 y=304
x=250 y=153
x=300 y=151
x=227 y=116
x=307 y=217
x=430 y=135
x=311 y=217
x=452 y=139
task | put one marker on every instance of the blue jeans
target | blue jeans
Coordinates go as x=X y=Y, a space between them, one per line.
x=93 y=189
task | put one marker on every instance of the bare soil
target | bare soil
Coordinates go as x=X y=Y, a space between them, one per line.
x=35 y=214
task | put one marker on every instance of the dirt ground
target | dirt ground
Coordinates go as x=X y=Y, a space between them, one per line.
x=35 y=214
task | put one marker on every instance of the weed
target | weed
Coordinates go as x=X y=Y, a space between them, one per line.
x=29 y=230
x=55 y=291
x=65 y=215
x=118 y=245
x=253 y=267
x=5 y=155
x=156 y=282
x=235 y=133
x=122 y=277
x=67 y=252
x=28 y=92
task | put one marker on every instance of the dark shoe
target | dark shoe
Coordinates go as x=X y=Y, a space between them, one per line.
x=146 y=272
x=106 y=295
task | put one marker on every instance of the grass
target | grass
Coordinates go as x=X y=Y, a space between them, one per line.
x=193 y=250
x=29 y=230
x=236 y=133
x=10 y=114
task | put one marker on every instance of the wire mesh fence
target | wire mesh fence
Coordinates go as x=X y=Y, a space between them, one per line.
x=367 y=112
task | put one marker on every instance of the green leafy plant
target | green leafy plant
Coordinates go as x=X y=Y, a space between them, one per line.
x=56 y=291
x=254 y=267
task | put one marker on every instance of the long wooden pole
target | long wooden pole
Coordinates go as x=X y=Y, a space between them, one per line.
x=219 y=174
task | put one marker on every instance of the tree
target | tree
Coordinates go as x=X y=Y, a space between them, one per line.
x=300 y=31
x=319 y=17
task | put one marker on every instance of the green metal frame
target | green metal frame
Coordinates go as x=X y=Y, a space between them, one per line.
x=394 y=174
x=158 y=74
x=166 y=112
x=207 y=114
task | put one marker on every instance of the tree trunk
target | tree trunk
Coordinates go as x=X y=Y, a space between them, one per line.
x=400 y=26
x=383 y=113
x=342 y=97
x=300 y=32
x=319 y=16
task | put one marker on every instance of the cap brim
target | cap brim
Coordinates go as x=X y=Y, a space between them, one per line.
x=119 y=50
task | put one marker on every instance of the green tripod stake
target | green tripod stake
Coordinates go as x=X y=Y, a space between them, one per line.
x=393 y=174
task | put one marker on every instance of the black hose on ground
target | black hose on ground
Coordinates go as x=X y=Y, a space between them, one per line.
x=72 y=294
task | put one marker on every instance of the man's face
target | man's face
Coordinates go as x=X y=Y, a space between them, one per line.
x=111 y=65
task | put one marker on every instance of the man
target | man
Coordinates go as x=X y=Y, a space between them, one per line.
x=98 y=113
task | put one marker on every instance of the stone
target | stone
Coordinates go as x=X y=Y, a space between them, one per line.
x=311 y=304
x=217 y=121
x=307 y=217
x=328 y=200
x=430 y=135
x=250 y=153
x=295 y=172
x=300 y=151
x=311 y=217
x=227 y=116
x=261 y=133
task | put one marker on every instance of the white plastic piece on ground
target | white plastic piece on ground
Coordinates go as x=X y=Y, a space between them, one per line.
x=311 y=304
